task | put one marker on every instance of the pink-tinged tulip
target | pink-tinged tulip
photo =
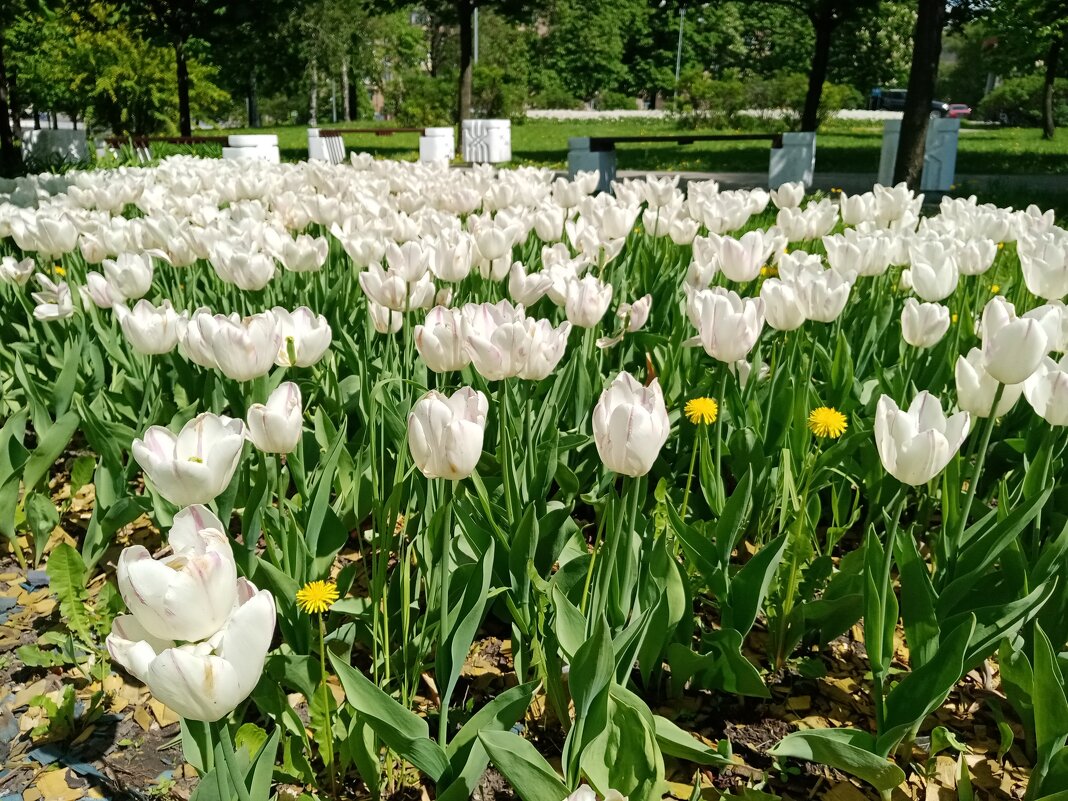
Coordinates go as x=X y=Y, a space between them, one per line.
x=195 y=465
x=728 y=326
x=587 y=300
x=190 y=594
x=442 y=340
x=201 y=680
x=275 y=427
x=630 y=425
x=445 y=433
x=916 y=445
x=1012 y=346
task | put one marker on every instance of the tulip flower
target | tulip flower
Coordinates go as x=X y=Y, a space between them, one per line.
x=304 y=336
x=822 y=295
x=151 y=330
x=934 y=281
x=1012 y=346
x=924 y=324
x=545 y=348
x=129 y=275
x=195 y=465
x=190 y=594
x=630 y=425
x=1047 y=391
x=788 y=195
x=526 y=288
x=244 y=349
x=549 y=222
x=385 y=321
x=54 y=301
x=976 y=388
x=248 y=270
x=741 y=259
x=410 y=260
x=728 y=326
x=203 y=680
x=99 y=292
x=16 y=272
x=782 y=306
x=305 y=254
x=451 y=255
x=1054 y=319
x=441 y=340
x=275 y=427
x=976 y=256
x=1044 y=263
x=916 y=445
x=445 y=433
x=587 y=300
x=497 y=339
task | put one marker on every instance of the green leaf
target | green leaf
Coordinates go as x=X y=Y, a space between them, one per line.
x=677 y=743
x=750 y=585
x=49 y=448
x=530 y=775
x=400 y=729
x=848 y=750
x=918 y=601
x=1050 y=707
x=42 y=518
x=467 y=756
x=66 y=575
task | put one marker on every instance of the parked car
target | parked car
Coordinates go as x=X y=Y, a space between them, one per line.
x=894 y=100
x=959 y=110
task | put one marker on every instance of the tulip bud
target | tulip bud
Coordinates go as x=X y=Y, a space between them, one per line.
x=195 y=465
x=924 y=324
x=630 y=425
x=130 y=275
x=976 y=388
x=441 y=340
x=915 y=446
x=275 y=427
x=1012 y=346
x=445 y=433
x=781 y=305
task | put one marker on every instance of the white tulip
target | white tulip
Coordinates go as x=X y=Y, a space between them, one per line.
x=545 y=348
x=788 y=195
x=741 y=259
x=129 y=275
x=99 y=292
x=630 y=425
x=275 y=427
x=976 y=388
x=782 y=307
x=728 y=325
x=1012 y=346
x=1047 y=391
x=16 y=272
x=151 y=330
x=54 y=301
x=304 y=336
x=587 y=300
x=445 y=433
x=195 y=465
x=526 y=288
x=916 y=445
x=923 y=324
x=385 y=321
x=442 y=340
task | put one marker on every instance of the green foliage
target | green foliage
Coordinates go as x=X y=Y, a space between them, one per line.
x=1018 y=101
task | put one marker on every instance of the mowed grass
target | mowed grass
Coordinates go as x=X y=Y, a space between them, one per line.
x=841 y=147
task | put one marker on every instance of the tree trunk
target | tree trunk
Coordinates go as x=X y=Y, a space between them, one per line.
x=346 y=108
x=1049 y=127
x=926 y=50
x=13 y=101
x=313 y=111
x=253 y=101
x=9 y=157
x=464 y=12
x=817 y=74
x=185 y=122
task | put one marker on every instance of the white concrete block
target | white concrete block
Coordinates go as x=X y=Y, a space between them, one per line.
x=46 y=145
x=794 y=161
x=487 y=141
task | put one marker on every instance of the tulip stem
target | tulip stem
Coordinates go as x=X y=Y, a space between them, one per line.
x=330 y=767
x=689 y=478
x=980 y=459
x=503 y=434
x=446 y=541
x=230 y=758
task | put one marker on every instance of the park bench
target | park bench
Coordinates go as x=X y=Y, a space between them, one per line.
x=333 y=146
x=793 y=155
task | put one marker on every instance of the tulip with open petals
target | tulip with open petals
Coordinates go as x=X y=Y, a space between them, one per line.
x=445 y=433
x=1012 y=346
x=305 y=336
x=13 y=271
x=196 y=464
x=545 y=348
x=129 y=275
x=976 y=388
x=1047 y=391
x=587 y=300
x=275 y=426
x=54 y=301
x=923 y=324
x=916 y=445
x=630 y=425
x=190 y=594
x=201 y=680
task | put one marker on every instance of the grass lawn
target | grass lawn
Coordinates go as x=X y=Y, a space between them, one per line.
x=842 y=147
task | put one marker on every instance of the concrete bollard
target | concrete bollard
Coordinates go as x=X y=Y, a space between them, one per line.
x=794 y=161
x=581 y=158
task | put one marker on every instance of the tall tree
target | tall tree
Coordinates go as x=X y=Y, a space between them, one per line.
x=923 y=75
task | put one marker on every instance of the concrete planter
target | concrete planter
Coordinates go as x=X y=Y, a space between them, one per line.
x=487 y=141
x=939 y=158
x=258 y=147
x=46 y=146
x=794 y=161
x=437 y=144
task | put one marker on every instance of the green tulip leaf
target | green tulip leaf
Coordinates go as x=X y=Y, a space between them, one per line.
x=848 y=750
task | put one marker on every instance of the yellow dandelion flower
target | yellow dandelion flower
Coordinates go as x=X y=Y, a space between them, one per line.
x=827 y=422
x=60 y=270
x=955 y=318
x=317 y=596
x=1001 y=245
x=701 y=410
x=764 y=271
x=995 y=289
